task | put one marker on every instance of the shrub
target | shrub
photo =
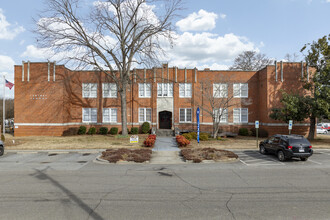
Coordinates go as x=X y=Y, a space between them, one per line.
x=113 y=131
x=149 y=142
x=82 y=130
x=70 y=132
x=91 y=131
x=243 y=131
x=193 y=135
x=103 y=130
x=203 y=137
x=134 y=130
x=3 y=138
x=152 y=136
x=261 y=132
x=145 y=128
x=188 y=136
x=182 y=141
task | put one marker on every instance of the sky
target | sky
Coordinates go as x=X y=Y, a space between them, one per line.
x=209 y=33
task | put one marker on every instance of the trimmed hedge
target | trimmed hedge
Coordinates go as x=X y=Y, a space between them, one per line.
x=103 y=130
x=91 y=131
x=82 y=130
x=145 y=128
x=134 y=130
x=188 y=136
x=243 y=131
x=113 y=131
x=261 y=132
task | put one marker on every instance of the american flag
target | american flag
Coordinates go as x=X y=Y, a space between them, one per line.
x=9 y=84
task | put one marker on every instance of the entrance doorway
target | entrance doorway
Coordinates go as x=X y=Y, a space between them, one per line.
x=165 y=120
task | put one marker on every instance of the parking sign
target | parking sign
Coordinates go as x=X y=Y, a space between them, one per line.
x=256 y=124
x=290 y=124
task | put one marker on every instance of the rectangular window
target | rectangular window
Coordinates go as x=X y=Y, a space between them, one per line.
x=185 y=90
x=109 y=115
x=89 y=115
x=220 y=90
x=144 y=114
x=144 y=90
x=241 y=115
x=109 y=90
x=241 y=90
x=185 y=115
x=165 y=90
x=89 y=90
x=224 y=115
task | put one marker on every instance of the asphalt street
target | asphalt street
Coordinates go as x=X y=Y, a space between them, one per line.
x=59 y=185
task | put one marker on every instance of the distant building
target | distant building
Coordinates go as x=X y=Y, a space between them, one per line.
x=51 y=99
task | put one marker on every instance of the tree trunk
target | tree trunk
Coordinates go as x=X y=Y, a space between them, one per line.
x=311 y=128
x=215 y=129
x=123 y=110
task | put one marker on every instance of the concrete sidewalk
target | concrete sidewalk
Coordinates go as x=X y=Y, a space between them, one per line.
x=166 y=144
x=166 y=151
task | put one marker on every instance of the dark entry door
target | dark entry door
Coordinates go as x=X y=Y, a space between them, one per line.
x=165 y=120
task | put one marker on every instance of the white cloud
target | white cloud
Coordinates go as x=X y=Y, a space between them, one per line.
x=6 y=64
x=201 y=21
x=206 y=49
x=8 y=31
x=32 y=52
x=223 y=16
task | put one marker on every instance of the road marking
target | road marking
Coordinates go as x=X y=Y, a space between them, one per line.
x=315 y=162
x=243 y=162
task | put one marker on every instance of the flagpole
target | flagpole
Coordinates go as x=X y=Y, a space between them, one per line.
x=4 y=104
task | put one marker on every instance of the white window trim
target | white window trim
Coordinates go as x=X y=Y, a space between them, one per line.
x=145 y=115
x=110 y=109
x=90 y=115
x=185 y=90
x=224 y=113
x=240 y=115
x=240 y=85
x=89 y=90
x=168 y=90
x=145 y=90
x=109 y=94
x=216 y=95
x=185 y=115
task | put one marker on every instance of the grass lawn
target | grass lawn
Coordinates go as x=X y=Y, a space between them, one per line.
x=71 y=142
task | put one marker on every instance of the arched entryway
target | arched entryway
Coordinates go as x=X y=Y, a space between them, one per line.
x=165 y=120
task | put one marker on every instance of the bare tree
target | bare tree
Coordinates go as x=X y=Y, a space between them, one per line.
x=250 y=61
x=215 y=99
x=111 y=37
x=291 y=57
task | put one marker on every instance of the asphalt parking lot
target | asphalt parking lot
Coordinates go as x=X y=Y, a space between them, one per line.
x=77 y=160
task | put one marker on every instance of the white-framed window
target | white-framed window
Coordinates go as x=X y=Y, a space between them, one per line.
x=241 y=90
x=109 y=115
x=144 y=90
x=109 y=90
x=220 y=90
x=144 y=114
x=89 y=90
x=165 y=89
x=185 y=115
x=224 y=116
x=185 y=90
x=241 y=115
x=89 y=115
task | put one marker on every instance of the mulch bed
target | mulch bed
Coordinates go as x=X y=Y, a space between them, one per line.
x=123 y=154
x=198 y=155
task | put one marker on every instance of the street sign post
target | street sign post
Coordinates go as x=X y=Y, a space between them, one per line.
x=197 y=116
x=290 y=126
x=256 y=124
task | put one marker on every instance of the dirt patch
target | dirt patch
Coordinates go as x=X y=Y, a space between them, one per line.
x=122 y=154
x=197 y=155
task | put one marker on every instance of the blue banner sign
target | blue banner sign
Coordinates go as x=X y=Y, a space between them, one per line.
x=197 y=116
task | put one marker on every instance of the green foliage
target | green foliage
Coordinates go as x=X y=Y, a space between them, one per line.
x=82 y=130
x=145 y=128
x=103 y=130
x=91 y=131
x=134 y=130
x=243 y=131
x=193 y=135
x=203 y=137
x=113 y=131
x=261 y=132
x=3 y=138
x=188 y=136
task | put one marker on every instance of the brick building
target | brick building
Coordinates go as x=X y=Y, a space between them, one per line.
x=50 y=99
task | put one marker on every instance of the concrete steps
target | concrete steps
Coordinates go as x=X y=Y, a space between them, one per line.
x=164 y=133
